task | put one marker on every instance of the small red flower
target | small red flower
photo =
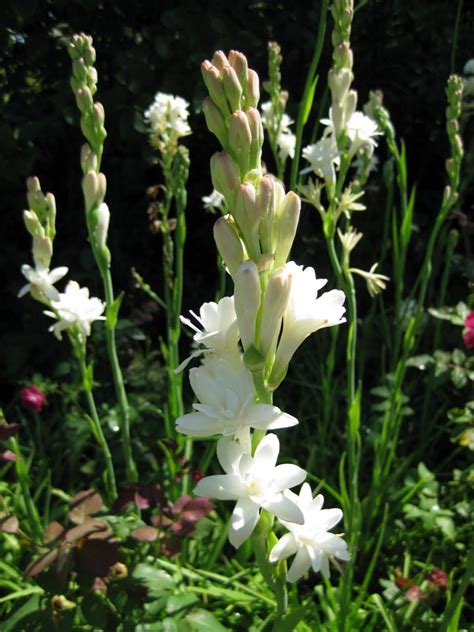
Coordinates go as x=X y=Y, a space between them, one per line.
x=414 y=593
x=468 y=332
x=33 y=398
x=437 y=578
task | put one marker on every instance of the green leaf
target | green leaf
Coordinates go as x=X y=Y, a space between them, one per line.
x=182 y=601
x=308 y=104
x=88 y=378
x=458 y=377
x=354 y=415
x=24 y=614
x=291 y=620
x=113 y=310
x=155 y=579
x=203 y=621
x=420 y=361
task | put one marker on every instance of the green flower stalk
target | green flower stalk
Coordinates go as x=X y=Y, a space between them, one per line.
x=84 y=86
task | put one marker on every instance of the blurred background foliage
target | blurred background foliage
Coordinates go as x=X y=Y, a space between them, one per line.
x=402 y=47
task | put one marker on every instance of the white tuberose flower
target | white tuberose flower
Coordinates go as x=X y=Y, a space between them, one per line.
x=311 y=542
x=323 y=157
x=224 y=388
x=254 y=482
x=306 y=313
x=168 y=117
x=219 y=333
x=74 y=309
x=361 y=130
x=214 y=201
x=42 y=280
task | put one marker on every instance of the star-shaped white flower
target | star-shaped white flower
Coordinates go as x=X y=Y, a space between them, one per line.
x=255 y=483
x=214 y=201
x=362 y=130
x=74 y=309
x=42 y=279
x=311 y=541
x=224 y=388
x=219 y=333
x=323 y=157
x=305 y=313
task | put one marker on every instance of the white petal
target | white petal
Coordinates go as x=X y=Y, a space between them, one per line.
x=24 y=290
x=229 y=454
x=300 y=565
x=267 y=451
x=268 y=417
x=285 y=547
x=316 y=556
x=243 y=521
x=197 y=425
x=334 y=545
x=51 y=293
x=306 y=495
x=28 y=272
x=285 y=509
x=287 y=475
x=57 y=274
x=220 y=486
x=328 y=518
x=284 y=420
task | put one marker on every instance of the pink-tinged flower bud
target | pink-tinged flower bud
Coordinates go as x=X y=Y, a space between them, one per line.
x=32 y=224
x=225 y=178
x=256 y=129
x=79 y=70
x=232 y=88
x=213 y=82
x=274 y=305
x=228 y=244
x=247 y=301
x=247 y=216
x=252 y=90
x=219 y=60
x=42 y=251
x=215 y=121
x=288 y=215
x=240 y=140
x=271 y=194
x=33 y=398
x=238 y=61
x=98 y=114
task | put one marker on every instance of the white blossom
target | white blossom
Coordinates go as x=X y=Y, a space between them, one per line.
x=214 y=201
x=376 y=282
x=469 y=67
x=305 y=313
x=74 y=309
x=311 y=541
x=255 y=483
x=42 y=280
x=362 y=130
x=285 y=138
x=226 y=406
x=323 y=157
x=167 y=117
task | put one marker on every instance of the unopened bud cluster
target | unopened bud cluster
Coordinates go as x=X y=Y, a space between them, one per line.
x=454 y=91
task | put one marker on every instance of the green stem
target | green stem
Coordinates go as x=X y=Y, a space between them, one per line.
x=308 y=93
x=463 y=586
x=455 y=37
x=24 y=480
x=130 y=467
x=110 y=484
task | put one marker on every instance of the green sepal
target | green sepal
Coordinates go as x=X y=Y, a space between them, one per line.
x=113 y=310
x=254 y=360
x=88 y=378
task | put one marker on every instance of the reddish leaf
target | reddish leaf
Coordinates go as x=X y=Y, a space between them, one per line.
x=145 y=534
x=9 y=524
x=85 y=529
x=37 y=566
x=84 y=504
x=142 y=495
x=53 y=532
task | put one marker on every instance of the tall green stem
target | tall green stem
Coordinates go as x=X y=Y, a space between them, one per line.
x=24 y=480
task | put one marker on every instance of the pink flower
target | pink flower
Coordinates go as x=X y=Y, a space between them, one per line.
x=437 y=578
x=468 y=333
x=33 y=398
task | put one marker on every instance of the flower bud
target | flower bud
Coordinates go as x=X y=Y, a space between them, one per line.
x=102 y=228
x=350 y=104
x=215 y=121
x=219 y=60
x=271 y=194
x=232 y=88
x=84 y=99
x=213 y=82
x=240 y=140
x=252 y=90
x=238 y=61
x=274 y=305
x=34 y=195
x=99 y=114
x=94 y=187
x=42 y=251
x=288 y=215
x=118 y=571
x=79 y=70
x=59 y=602
x=225 y=178
x=339 y=82
x=247 y=216
x=256 y=129
x=247 y=301
x=228 y=244
x=88 y=159
x=51 y=214
x=32 y=224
